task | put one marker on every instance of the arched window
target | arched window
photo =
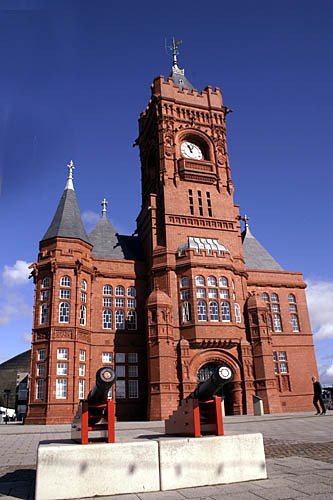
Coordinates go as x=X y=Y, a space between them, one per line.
x=277 y=322
x=83 y=315
x=120 y=319
x=211 y=281
x=213 y=311
x=120 y=291
x=202 y=310
x=274 y=297
x=107 y=319
x=131 y=320
x=65 y=281
x=223 y=282
x=265 y=297
x=46 y=283
x=291 y=298
x=107 y=290
x=44 y=312
x=184 y=282
x=131 y=291
x=225 y=308
x=200 y=281
x=64 y=312
x=294 y=323
x=84 y=285
x=238 y=315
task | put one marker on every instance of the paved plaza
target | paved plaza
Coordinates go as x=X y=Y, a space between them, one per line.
x=298 y=448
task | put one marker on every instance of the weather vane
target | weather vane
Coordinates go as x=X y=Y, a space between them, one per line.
x=174 y=49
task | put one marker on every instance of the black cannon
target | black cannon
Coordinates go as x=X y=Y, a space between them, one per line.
x=206 y=390
x=96 y=413
x=201 y=412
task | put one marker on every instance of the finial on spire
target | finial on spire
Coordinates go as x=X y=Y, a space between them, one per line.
x=104 y=206
x=70 y=167
x=174 y=49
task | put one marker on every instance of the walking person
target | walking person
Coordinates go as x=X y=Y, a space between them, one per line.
x=317 y=396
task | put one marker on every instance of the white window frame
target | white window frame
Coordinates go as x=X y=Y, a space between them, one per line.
x=64 y=312
x=65 y=281
x=61 y=388
x=40 y=389
x=120 y=291
x=133 y=389
x=41 y=354
x=107 y=319
x=107 y=290
x=83 y=315
x=82 y=370
x=107 y=357
x=62 y=368
x=62 y=353
x=81 y=388
x=82 y=355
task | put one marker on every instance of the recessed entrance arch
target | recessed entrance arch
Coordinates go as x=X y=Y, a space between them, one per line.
x=204 y=374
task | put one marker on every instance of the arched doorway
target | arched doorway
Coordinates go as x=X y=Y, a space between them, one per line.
x=205 y=372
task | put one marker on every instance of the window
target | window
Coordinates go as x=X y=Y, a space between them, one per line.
x=202 y=310
x=190 y=199
x=82 y=355
x=238 y=315
x=200 y=281
x=64 y=312
x=294 y=323
x=133 y=371
x=133 y=389
x=185 y=294
x=83 y=315
x=131 y=303
x=41 y=354
x=201 y=292
x=120 y=371
x=44 y=295
x=39 y=388
x=81 y=389
x=224 y=293
x=291 y=298
x=120 y=357
x=83 y=297
x=107 y=357
x=120 y=320
x=131 y=320
x=184 y=282
x=131 y=291
x=46 y=283
x=273 y=308
x=40 y=370
x=274 y=297
x=62 y=353
x=276 y=308
x=65 y=294
x=65 y=281
x=107 y=290
x=186 y=312
x=280 y=362
x=84 y=285
x=212 y=293
x=44 y=313
x=209 y=205
x=61 y=388
x=223 y=282
x=293 y=308
x=107 y=319
x=62 y=369
x=200 y=203
x=277 y=322
x=120 y=290
x=265 y=297
x=120 y=302
x=107 y=301
x=225 y=308
x=211 y=281
x=214 y=311
x=120 y=389
x=82 y=370
x=132 y=357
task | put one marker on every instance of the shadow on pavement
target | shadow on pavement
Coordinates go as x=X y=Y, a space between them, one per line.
x=19 y=484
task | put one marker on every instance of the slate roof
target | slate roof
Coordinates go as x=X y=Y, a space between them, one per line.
x=67 y=222
x=179 y=78
x=255 y=255
x=108 y=244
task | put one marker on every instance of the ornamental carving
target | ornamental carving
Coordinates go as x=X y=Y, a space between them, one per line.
x=63 y=334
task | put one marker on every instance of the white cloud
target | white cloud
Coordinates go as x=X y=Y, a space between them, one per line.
x=17 y=274
x=320 y=302
x=13 y=307
x=90 y=217
x=26 y=338
x=329 y=371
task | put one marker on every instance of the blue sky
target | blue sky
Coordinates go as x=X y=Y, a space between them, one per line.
x=75 y=77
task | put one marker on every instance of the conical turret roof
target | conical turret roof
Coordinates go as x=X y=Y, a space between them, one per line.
x=67 y=222
x=178 y=73
x=105 y=241
x=255 y=255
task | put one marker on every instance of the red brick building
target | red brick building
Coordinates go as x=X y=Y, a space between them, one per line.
x=189 y=291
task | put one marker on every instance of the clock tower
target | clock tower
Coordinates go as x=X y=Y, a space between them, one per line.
x=190 y=229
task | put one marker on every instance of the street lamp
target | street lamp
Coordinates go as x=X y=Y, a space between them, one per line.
x=7 y=392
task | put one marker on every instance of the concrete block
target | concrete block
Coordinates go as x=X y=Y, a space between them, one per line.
x=190 y=462
x=78 y=471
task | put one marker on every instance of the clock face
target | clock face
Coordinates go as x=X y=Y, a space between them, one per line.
x=225 y=372
x=190 y=150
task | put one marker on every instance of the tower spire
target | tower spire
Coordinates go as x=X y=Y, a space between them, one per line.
x=104 y=207
x=71 y=167
x=177 y=73
x=174 y=49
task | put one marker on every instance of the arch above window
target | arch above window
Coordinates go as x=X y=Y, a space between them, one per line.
x=223 y=282
x=131 y=291
x=84 y=285
x=274 y=297
x=199 y=280
x=107 y=290
x=211 y=281
x=265 y=297
x=120 y=291
x=184 y=282
x=291 y=298
x=64 y=309
x=46 y=282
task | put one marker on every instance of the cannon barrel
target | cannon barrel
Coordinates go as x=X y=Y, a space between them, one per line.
x=105 y=378
x=206 y=390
